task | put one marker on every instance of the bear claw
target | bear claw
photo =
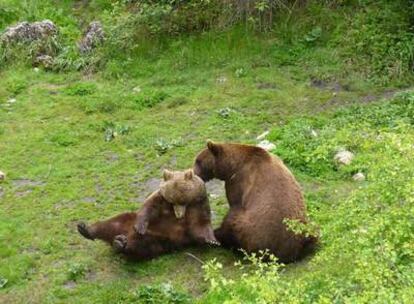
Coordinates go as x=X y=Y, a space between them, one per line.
x=141 y=228
x=213 y=242
x=84 y=231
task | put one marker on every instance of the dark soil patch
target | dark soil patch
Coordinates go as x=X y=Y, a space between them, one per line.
x=266 y=86
x=111 y=157
x=145 y=188
x=88 y=199
x=26 y=183
x=70 y=285
x=326 y=85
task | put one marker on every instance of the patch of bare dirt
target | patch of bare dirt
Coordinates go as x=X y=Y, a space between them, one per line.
x=266 y=86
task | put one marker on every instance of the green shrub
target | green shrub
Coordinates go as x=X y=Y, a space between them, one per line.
x=380 y=40
x=149 y=99
x=81 y=89
x=309 y=144
x=159 y=294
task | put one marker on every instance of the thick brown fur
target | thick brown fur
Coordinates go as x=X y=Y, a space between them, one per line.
x=261 y=192
x=155 y=229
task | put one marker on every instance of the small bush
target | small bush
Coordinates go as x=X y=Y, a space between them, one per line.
x=159 y=294
x=81 y=89
x=381 y=39
x=76 y=271
x=149 y=99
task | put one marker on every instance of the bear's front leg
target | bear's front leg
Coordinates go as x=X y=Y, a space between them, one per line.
x=141 y=225
x=204 y=234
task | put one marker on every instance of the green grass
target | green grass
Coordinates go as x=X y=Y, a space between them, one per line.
x=79 y=146
x=54 y=134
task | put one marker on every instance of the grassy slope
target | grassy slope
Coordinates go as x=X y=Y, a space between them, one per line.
x=54 y=135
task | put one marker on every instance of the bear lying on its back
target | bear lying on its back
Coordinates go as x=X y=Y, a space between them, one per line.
x=176 y=215
x=261 y=193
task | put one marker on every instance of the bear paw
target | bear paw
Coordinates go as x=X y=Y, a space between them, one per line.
x=84 y=231
x=120 y=242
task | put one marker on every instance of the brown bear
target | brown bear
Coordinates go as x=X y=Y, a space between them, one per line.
x=262 y=193
x=176 y=215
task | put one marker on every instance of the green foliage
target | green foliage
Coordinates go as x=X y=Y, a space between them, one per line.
x=162 y=146
x=159 y=294
x=149 y=99
x=76 y=271
x=309 y=144
x=81 y=89
x=3 y=282
x=112 y=130
x=382 y=38
x=171 y=75
x=16 y=85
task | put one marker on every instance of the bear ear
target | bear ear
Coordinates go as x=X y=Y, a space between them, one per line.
x=168 y=175
x=189 y=174
x=213 y=147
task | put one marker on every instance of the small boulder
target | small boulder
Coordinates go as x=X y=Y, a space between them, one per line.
x=2 y=176
x=221 y=79
x=267 y=145
x=93 y=37
x=358 y=177
x=344 y=157
x=44 y=61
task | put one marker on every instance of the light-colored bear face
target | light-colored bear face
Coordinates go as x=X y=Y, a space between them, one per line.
x=182 y=188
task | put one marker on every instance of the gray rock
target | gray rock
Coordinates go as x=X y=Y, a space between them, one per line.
x=28 y=32
x=44 y=61
x=267 y=145
x=358 y=177
x=344 y=157
x=93 y=36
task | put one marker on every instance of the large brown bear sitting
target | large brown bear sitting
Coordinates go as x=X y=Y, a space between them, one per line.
x=176 y=215
x=261 y=192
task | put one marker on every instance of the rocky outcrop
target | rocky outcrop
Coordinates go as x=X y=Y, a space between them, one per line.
x=29 y=32
x=93 y=37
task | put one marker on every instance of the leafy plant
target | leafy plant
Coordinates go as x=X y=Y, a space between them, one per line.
x=3 y=282
x=313 y=35
x=162 y=146
x=149 y=99
x=81 y=89
x=112 y=130
x=76 y=271
x=162 y=293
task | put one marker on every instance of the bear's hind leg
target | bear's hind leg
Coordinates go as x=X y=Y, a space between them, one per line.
x=84 y=231
x=225 y=233
x=120 y=243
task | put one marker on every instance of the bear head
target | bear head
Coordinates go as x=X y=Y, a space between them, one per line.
x=224 y=160
x=182 y=188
